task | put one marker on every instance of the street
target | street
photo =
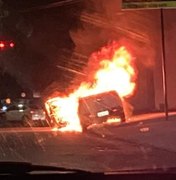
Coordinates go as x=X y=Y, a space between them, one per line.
x=138 y=145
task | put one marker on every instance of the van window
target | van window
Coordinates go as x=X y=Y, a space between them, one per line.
x=100 y=102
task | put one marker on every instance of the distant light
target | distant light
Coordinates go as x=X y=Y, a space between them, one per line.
x=20 y=105
x=4 y=108
x=23 y=94
x=2 y=45
x=8 y=101
x=12 y=44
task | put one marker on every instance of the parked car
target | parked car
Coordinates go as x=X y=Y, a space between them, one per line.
x=99 y=108
x=36 y=113
x=28 y=115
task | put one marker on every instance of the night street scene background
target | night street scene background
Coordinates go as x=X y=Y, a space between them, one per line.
x=54 y=52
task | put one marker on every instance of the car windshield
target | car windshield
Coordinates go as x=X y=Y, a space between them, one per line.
x=61 y=60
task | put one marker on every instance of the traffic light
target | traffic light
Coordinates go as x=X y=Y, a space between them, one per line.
x=5 y=45
x=12 y=44
x=2 y=45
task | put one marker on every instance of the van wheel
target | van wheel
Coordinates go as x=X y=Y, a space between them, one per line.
x=85 y=122
x=85 y=125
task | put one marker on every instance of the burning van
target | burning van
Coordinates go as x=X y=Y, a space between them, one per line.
x=99 y=108
x=111 y=80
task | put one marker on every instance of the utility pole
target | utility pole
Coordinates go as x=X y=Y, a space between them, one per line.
x=164 y=65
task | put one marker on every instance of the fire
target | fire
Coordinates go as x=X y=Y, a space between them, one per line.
x=113 y=70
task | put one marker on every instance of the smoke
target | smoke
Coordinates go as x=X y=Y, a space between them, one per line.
x=103 y=21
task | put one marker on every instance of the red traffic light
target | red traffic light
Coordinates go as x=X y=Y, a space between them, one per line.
x=12 y=44
x=2 y=45
x=6 y=45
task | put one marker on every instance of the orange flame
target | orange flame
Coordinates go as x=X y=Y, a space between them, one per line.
x=114 y=71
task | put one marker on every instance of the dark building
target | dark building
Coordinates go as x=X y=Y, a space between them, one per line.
x=10 y=88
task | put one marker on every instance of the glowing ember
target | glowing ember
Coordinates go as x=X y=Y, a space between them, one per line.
x=114 y=71
x=55 y=129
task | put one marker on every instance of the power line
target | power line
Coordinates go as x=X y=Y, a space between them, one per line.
x=52 y=5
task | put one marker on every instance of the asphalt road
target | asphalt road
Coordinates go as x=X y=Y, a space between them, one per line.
x=137 y=145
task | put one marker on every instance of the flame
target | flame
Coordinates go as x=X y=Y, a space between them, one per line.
x=113 y=70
